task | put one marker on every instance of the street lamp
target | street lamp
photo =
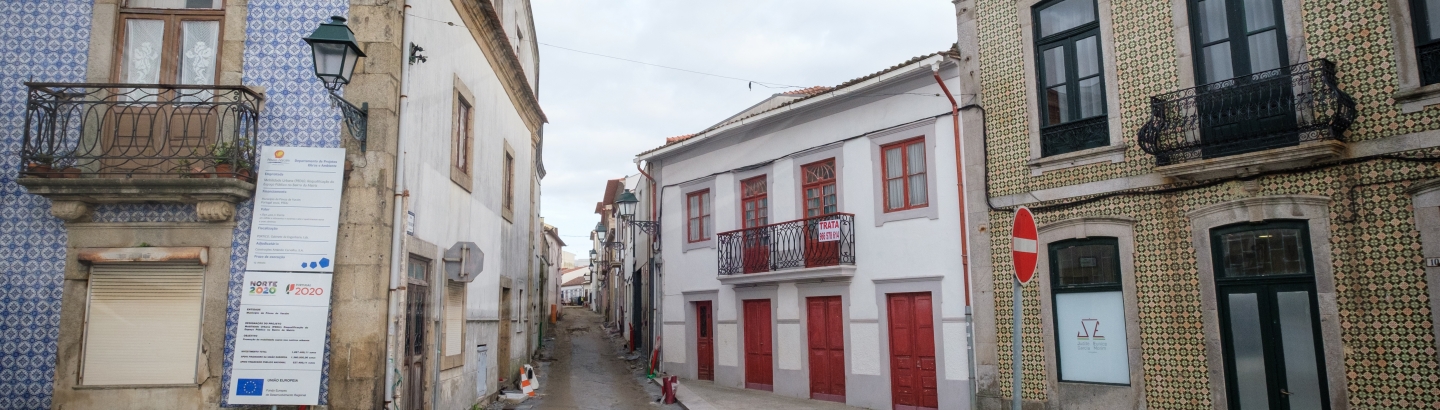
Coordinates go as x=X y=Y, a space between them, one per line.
x=600 y=232
x=334 y=53
x=626 y=204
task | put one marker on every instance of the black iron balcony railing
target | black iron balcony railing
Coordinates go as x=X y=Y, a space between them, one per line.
x=149 y=130
x=1270 y=109
x=811 y=242
x=1429 y=59
x=1074 y=136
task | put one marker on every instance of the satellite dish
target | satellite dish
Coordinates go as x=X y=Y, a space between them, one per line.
x=464 y=261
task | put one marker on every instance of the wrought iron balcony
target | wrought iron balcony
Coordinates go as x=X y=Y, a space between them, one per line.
x=139 y=130
x=1074 y=136
x=803 y=243
x=1429 y=58
x=1266 y=110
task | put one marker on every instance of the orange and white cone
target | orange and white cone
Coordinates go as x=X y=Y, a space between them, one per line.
x=528 y=384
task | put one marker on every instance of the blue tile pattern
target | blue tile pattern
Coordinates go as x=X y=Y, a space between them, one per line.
x=297 y=113
x=40 y=40
x=48 y=40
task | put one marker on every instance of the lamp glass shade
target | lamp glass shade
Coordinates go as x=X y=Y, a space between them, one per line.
x=600 y=231
x=626 y=204
x=335 y=52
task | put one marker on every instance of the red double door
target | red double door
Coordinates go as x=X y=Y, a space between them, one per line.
x=759 y=373
x=704 y=341
x=827 y=348
x=913 y=382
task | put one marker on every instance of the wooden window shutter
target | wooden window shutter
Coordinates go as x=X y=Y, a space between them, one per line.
x=454 y=318
x=143 y=324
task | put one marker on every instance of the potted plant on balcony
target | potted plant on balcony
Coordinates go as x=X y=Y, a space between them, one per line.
x=41 y=165
x=224 y=155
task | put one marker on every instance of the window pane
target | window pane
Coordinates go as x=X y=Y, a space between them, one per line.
x=174 y=4
x=1297 y=336
x=918 y=194
x=144 y=44
x=1091 y=341
x=1432 y=18
x=1091 y=264
x=1217 y=63
x=198 y=51
x=1214 y=24
x=1264 y=52
x=1066 y=15
x=1092 y=97
x=1087 y=57
x=1263 y=252
x=915 y=156
x=1259 y=14
x=1249 y=353
x=895 y=193
x=1057 y=105
x=694 y=230
x=893 y=163
x=1054 y=66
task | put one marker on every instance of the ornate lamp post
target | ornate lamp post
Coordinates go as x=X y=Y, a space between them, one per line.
x=334 y=53
x=626 y=204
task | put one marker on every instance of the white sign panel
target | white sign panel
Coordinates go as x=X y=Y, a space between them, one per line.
x=829 y=230
x=297 y=209
x=280 y=338
x=1091 y=331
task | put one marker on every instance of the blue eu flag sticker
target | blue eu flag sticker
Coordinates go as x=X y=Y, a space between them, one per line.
x=250 y=387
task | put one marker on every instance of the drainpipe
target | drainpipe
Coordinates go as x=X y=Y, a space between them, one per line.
x=397 y=236
x=964 y=232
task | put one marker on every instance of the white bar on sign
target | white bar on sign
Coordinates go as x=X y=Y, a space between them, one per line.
x=1024 y=245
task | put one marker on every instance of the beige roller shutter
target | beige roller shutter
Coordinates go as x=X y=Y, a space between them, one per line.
x=454 y=317
x=143 y=324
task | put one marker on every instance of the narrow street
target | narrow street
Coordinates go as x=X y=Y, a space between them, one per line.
x=588 y=370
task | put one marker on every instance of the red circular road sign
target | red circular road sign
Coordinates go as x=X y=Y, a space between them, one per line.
x=1023 y=244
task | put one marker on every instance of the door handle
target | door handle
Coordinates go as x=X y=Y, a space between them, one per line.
x=1285 y=392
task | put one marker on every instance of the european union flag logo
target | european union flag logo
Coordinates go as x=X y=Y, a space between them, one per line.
x=250 y=387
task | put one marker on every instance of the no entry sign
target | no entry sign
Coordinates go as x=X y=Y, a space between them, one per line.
x=1023 y=244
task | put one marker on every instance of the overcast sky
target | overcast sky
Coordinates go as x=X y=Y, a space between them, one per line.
x=603 y=111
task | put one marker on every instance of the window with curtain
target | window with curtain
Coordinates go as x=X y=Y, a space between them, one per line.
x=697 y=215
x=903 y=167
x=169 y=42
x=1426 y=17
x=1236 y=38
x=818 y=181
x=1089 y=303
x=1072 y=87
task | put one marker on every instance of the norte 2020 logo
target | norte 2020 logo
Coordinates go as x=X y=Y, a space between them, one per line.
x=264 y=287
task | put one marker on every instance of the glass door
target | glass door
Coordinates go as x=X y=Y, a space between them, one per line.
x=1246 y=102
x=1269 y=319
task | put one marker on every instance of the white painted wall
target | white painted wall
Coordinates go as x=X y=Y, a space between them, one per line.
x=446 y=213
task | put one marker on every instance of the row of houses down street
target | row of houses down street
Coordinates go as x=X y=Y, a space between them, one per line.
x=1238 y=207
x=119 y=115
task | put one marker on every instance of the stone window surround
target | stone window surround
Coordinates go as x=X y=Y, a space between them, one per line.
x=685 y=190
x=798 y=167
x=1096 y=395
x=1315 y=210
x=105 y=26
x=924 y=129
x=1410 y=94
x=508 y=182
x=740 y=177
x=1113 y=153
x=213 y=239
x=463 y=177
x=1185 y=63
x=1427 y=220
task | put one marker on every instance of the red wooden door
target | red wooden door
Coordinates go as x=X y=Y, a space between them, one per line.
x=759 y=374
x=827 y=348
x=912 y=351
x=755 y=204
x=704 y=341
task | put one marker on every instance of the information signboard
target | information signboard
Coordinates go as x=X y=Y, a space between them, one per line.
x=829 y=230
x=280 y=338
x=297 y=209
x=1090 y=328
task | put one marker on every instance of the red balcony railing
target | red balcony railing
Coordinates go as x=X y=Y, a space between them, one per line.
x=802 y=243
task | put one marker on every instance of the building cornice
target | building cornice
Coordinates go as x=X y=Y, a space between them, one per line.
x=484 y=24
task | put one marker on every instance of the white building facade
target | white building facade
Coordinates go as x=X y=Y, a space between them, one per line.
x=811 y=245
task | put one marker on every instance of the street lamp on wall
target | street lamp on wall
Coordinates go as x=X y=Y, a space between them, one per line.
x=626 y=203
x=601 y=234
x=334 y=53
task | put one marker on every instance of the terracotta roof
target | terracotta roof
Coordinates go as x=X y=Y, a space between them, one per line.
x=679 y=138
x=563 y=271
x=574 y=282
x=813 y=92
x=806 y=91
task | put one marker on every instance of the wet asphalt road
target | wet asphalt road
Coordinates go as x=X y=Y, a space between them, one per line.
x=587 y=371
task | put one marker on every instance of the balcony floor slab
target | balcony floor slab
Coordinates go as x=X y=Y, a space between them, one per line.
x=822 y=273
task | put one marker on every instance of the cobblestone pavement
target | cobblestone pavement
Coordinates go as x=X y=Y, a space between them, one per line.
x=583 y=368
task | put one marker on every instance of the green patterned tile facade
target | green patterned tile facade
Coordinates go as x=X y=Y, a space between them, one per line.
x=1387 y=336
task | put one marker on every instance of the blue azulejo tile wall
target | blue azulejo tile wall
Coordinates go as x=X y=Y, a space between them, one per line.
x=297 y=113
x=40 y=40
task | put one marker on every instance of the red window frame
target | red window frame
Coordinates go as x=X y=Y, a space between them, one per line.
x=818 y=184
x=757 y=199
x=695 y=216
x=904 y=147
